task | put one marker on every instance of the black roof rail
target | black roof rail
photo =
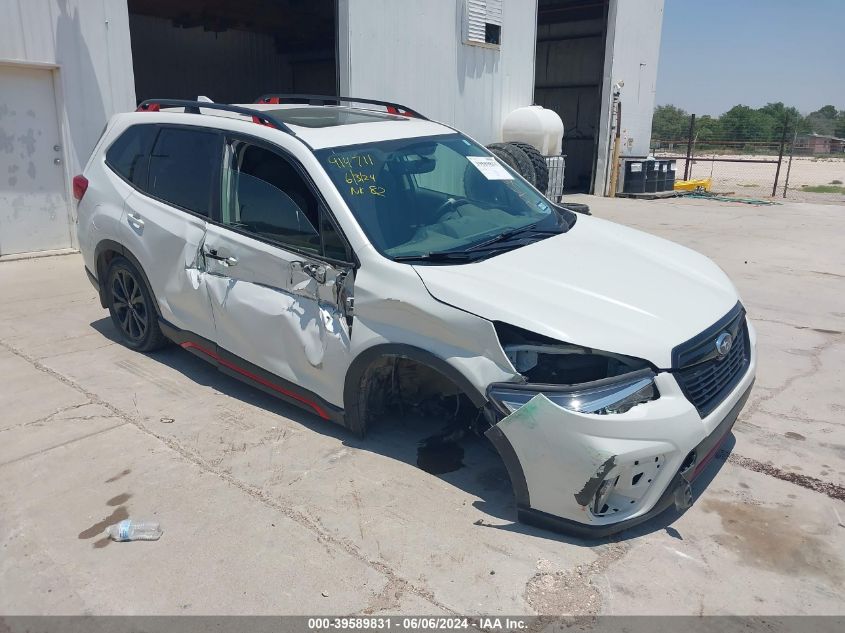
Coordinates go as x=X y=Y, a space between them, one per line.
x=193 y=107
x=392 y=108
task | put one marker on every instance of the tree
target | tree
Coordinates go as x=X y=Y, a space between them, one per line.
x=742 y=123
x=839 y=129
x=707 y=129
x=823 y=121
x=780 y=115
x=669 y=123
x=828 y=112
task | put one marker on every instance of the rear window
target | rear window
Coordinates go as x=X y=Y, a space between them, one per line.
x=184 y=168
x=129 y=155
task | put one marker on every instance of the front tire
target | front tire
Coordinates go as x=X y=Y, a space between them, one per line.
x=132 y=308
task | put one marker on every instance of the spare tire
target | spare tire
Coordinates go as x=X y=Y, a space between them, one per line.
x=541 y=169
x=515 y=158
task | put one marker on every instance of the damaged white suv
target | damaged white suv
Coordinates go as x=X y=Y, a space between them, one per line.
x=355 y=258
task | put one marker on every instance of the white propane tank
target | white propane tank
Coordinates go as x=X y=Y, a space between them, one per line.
x=537 y=126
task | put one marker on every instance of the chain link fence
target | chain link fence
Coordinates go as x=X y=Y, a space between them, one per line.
x=802 y=167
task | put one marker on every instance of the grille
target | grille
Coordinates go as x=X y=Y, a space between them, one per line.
x=708 y=381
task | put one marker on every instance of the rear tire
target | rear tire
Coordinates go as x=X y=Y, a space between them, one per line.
x=541 y=169
x=515 y=158
x=132 y=307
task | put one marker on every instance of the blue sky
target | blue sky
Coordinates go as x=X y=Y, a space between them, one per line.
x=717 y=53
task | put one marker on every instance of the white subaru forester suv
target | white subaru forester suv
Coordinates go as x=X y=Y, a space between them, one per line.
x=358 y=260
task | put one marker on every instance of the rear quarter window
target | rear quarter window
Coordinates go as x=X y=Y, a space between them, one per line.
x=129 y=155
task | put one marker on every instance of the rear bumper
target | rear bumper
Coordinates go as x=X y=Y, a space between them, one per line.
x=705 y=451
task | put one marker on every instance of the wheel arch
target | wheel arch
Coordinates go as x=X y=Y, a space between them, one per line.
x=354 y=413
x=105 y=251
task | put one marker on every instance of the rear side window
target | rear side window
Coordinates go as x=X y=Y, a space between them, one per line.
x=185 y=167
x=129 y=155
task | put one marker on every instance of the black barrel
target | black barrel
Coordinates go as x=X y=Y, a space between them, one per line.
x=670 y=176
x=634 y=177
x=659 y=175
x=651 y=176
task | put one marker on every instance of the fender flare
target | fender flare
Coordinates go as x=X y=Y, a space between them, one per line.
x=111 y=245
x=358 y=367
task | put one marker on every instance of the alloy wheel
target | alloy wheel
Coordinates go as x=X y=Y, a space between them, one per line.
x=129 y=305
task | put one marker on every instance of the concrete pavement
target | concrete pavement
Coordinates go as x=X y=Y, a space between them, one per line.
x=267 y=510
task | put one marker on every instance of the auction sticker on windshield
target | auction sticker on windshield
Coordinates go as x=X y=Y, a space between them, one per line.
x=490 y=167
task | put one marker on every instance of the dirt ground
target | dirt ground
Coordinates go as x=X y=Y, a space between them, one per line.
x=755 y=180
x=266 y=509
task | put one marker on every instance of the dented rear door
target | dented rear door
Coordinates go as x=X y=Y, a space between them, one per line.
x=167 y=242
x=164 y=221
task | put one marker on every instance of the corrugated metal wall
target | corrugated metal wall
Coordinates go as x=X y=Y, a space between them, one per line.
x=233 y=66
x=413 y=53
x=89 y=41
x=569 y=81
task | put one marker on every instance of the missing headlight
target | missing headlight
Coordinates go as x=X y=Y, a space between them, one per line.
x=541 y=359
x=573 y=377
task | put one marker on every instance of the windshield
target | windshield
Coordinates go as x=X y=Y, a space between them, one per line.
x=435 y=195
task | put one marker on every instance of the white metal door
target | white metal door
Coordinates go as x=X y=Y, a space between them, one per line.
x=33 y=194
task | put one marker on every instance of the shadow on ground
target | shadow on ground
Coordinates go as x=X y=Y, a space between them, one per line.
x=482 y=473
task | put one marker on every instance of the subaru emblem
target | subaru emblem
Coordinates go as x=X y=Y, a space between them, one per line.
x=724 y=343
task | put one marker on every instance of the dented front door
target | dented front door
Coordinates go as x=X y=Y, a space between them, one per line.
x=279 y=310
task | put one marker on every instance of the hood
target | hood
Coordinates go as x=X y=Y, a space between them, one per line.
x=600 y=285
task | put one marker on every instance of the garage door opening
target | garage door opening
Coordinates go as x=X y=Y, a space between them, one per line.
x=571 y=37
x=232 y=52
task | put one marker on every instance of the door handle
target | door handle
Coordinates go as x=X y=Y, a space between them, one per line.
x=134 y=218
x=226 y=261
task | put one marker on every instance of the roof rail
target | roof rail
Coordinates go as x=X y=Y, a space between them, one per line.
x=392 y=108
x=193 y=107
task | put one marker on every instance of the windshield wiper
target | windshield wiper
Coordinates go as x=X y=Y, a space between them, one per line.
x=507 y=235
x=475 y=251
x=434 y=256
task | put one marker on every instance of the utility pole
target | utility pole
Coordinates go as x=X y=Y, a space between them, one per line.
x=689 y=147
x=789 y=164
x=780 y=155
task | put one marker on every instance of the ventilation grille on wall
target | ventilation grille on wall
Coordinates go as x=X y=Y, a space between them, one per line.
x=483 y=22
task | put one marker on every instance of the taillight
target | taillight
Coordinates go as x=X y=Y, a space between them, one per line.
x=80 y=186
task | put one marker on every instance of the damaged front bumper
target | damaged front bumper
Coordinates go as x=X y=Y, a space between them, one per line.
x=594 y=475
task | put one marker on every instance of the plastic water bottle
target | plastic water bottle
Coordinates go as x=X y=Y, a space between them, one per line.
x=130 y=530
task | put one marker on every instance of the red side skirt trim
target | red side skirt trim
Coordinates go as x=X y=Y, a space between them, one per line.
x=317 y=408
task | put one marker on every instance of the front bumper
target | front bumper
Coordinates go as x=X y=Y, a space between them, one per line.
x=557 y=459
x=706 y=450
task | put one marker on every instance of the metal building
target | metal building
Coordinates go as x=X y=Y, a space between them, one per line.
x=67 y=65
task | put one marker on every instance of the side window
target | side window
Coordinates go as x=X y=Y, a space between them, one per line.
x=268 y=197
x=334 y=245
x=129 y=155
x=184 y=168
